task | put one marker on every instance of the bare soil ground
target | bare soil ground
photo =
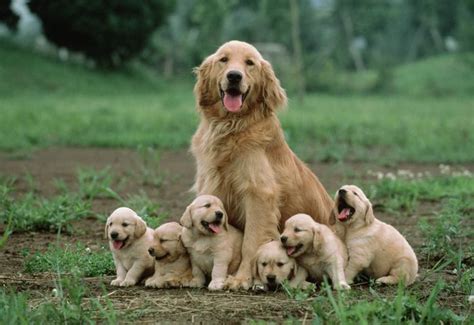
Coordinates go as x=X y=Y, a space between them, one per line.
x=177 y=167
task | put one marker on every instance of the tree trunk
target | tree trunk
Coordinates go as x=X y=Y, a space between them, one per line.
x=297 y=49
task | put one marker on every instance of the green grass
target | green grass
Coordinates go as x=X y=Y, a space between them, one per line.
x=73 y=259
x=47 y=103
x=404 y=194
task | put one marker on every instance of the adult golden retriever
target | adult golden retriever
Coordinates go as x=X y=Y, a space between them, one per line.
x=241 y=153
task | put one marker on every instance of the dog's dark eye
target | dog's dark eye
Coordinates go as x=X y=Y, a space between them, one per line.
x=355 y=193
x=207 y=205
x=264 y=264
x=163 y=240
x=297 y=229
x=249 y=62
x=124 y=224
x=224 y=59
x=280 y=264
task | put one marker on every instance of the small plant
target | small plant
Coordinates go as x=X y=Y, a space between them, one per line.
x=298 y=294
x=70 y=302
x=150 y=166
x=74 y=259
x=94 y=183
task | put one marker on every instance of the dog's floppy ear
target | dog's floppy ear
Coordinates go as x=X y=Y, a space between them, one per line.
x=294 y=269
x=273 y=96
x=140 y=227
x=106 y=230
x=226 y=222
x=316 y=239
x=254 y=265
x=186 y=220
x=369 y=213
x=205 y=88
x=332 y=217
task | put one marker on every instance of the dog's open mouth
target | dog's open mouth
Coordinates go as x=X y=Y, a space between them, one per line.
x=159 y=258
x=214 y=227
x=345 y=211
x=291 y=250
x=233 y=99
x=119 y=244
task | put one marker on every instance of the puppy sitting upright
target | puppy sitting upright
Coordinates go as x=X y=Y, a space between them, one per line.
x=213 y=244
x=129 y=240
x=272 y=266
x=373 y=246
x=316 y=248
x=172 y=264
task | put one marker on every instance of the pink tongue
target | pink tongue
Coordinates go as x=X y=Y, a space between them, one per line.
x=232 y=103
x=290 y=250
x=344 y=214
x=118 y=244
x=215 y=228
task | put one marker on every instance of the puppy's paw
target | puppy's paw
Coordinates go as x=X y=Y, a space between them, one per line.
x=116 y=282
x=216 y=285
x=387 y=280
x=237 y=283
x=128 y=283
x=196 y=283
x=153 y=283
x=343 y=286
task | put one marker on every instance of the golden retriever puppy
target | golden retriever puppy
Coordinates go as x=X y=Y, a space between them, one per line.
x=172 y=263
x=213 y=244
x=316 y=248
x=241 y=153
x=272 y=266
x=373 y=246
x=129 y=240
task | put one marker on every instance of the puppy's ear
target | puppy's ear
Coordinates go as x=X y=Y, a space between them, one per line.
x=106 y=230
x=254 y=264
x=369 y=213
x=316 y=239
x=205 y=88
x=140 y=227
x=226 y=222
x=294 y=269
x=332 y=217
x=186 y=220
x=273 y=95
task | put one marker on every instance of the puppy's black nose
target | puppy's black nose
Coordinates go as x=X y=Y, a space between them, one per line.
x=114 y=235
x=219 y=215
x=283 y=239
x=271 y=278
x=151 y=251
x=342 y=192
x=234 y=76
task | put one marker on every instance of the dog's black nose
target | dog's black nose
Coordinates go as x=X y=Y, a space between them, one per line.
x=234 y=76
x=114 y=235
x=151 y=251
x=283 y=239
x=342 y=192
x=219 y=215
x=271 y=278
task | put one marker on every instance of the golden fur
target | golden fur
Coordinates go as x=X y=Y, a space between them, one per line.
x=129 y=247
x=213 y=254
x=172 y=263
x=242 y=157
x=374 y=247
x=316 y=248
x=272 y=266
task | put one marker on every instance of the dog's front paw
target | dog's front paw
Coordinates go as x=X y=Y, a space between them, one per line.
x=196 y=283
x=216 y=285
x=116 y=282
x=237 y=283
x=128 y=283
x=153 y=283
x=343 y=286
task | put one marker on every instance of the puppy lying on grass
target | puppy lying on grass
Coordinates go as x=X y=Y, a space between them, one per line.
x=172 y=263
x=129 y=240
x=316 y=248
x=373 y=246
x=272 y=266
x=213 y=244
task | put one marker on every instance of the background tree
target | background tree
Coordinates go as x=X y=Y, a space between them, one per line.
x=7 y=15
x=108 y=31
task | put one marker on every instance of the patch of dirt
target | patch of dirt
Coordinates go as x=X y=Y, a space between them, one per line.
x=177 y=169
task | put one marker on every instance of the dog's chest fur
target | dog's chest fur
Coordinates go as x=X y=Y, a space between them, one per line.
x=201 y=251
